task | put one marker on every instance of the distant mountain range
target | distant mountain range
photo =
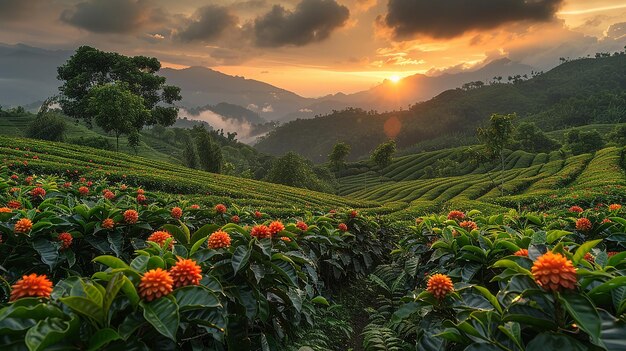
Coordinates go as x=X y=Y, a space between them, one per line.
x=28 y=75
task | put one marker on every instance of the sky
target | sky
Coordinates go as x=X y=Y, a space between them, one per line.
x=319 y=47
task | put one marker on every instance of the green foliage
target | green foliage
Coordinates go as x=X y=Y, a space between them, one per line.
x=382 y=155
x=583 y=142
x=532 y=139
x=116 y=109
x=209 y=152
x=90 y=68
x=48 y=126
x=618 y=135
x=293 y=170
x=495 y=138
x=338 y=156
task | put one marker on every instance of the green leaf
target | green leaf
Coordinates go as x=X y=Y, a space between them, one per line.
x=48 y=251
x=48 y=332
x=320 y=300
x=85 y=307
x=180 y=235
x=556 y=234
x=583 y=249
x=203 y=232
x=163 y=315
x=111 y=261
x=197 y=245
x=240 y=258
x=113 y=287
x=101 y=338
x=489 y=296
x=512 y=265
x=584 y=313
x=193 y=297
x=608 y=286
x=555 y=342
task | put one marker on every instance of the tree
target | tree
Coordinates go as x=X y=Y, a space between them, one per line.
x=530 y=138
x=382 y=155
x=47 y=126
x=116 y=109
x=495 y=138
x=618 y=135
x=90 y=68
x=338 y=155
x=583 y=142
x=209 y=152
x=292 y=169
x=190 y=155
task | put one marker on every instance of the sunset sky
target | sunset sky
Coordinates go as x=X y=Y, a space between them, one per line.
x=317 y=47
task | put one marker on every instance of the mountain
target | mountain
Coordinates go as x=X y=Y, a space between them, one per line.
x=28 y=74
x=201 y=86
x=578 y=92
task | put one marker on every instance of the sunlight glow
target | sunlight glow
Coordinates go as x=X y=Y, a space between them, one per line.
x=395 y=78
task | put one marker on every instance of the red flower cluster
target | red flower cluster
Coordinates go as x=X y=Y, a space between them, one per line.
x=218 y=240
x=468 y=225
x=109 y=195
x=186 y=272
x=576 y=209
x=14 y=204
x=220 y=208
x=258 y=215
x=456 y=215
x=66 y=240
x=195 y=207
x=23 y=225
x=154 y=284
x=38 y=192
x=141 y=198
x=342 y=227
x=83 y=190
x=108 y=223
x=176 y=212
x=615 y=207
x=276 y=227
x=131 y=216
x=583 y=224
x=521 y=252
x=353 y=214
x=160 y=237
x=261 y=232
x=302 y=226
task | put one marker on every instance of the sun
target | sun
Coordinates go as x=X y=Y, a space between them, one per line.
x=395 y=78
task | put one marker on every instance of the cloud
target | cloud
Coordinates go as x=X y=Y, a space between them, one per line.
x=11 y=10
x=616 y=30
x=451 y=18
x=311 y=21
x=208 y=24
x=109 y=16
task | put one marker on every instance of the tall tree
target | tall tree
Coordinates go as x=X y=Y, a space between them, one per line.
x=90 y=68
x=116 y=109
x=495 y=137
x=209 y=152
x=382 y=155
x=337 y=157
x=190 y=155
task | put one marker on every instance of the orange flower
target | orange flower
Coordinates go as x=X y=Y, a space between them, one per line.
x=439 y=285
x=14 y=204
x=521 y=252
x=186 y=272
x=302 y=226
x=612 y=253
x=456 y=215
x=83 y=190
x=606 y=220
x=123 y=187
x=141 y=198
x=615 y=207
x=23 y=225
x=261 y=232
x=176 y=212
x=589 y=257
x=235 y=219
x=276 y=227
x=285 y=239
x=219 y=208
x=5 y=210
x=353 y=214
x=468 y=225
x=160 y=237
x=219 y=239
x=419 y=221
x=195 y=207
x=66 y=240
x=258 y=214
x=154 y=284
x=38 y=192
x=140 y=191
x=583 y=224
x=108 y=224
x=109 y=195
x=576 y=209
x=67 y=185
x=553 y=271
x=131 y=216
x=343 y=227
x=32 y=285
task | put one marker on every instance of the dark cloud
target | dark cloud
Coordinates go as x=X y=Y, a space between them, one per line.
x=311 y=21
x=109 y=16
x=451 y=18
x=16 y=9
x=616 y=30
x=207 y=24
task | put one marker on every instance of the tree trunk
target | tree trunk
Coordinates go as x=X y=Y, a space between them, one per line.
x=502 y=173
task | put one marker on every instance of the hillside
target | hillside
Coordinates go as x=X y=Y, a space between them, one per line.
x=61 y=158
x=595 y=87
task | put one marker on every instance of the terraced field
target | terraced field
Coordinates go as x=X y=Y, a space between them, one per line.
x=527 y=176
x=61 y=158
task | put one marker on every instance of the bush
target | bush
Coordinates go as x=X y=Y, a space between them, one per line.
x=48 y=126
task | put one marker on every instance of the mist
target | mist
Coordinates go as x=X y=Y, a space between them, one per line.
x=243 y=129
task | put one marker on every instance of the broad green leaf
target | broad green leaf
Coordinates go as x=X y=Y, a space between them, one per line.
x=180 y=235
x=512 y=265
x=48 y=332
x=583 y=249
x=163 y=315
x=555 y=342
x=101 y=338
x=240 y=258
x=192 y=297
x=110 y=261
x=584 y=313
x=320 y=300
x=85 y=307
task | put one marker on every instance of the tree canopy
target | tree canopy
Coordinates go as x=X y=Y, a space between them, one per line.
x=383 y=154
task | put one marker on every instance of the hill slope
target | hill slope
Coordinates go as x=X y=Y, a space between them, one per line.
x=598 y=84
